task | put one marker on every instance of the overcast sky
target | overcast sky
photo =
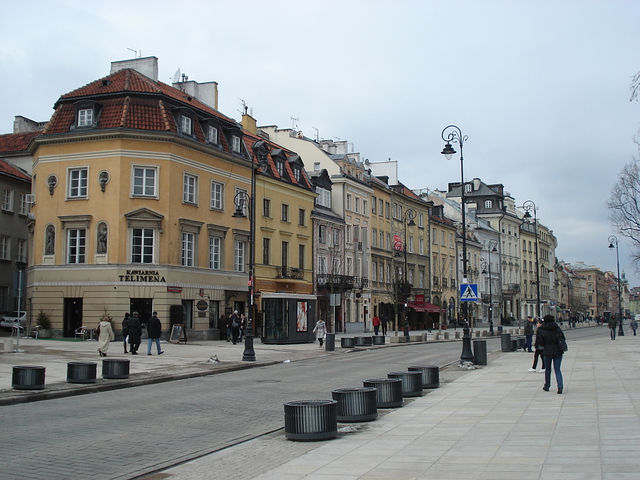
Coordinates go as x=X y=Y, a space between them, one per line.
x=540 y=87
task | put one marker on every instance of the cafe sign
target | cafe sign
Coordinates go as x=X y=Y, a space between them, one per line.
x=151 y=276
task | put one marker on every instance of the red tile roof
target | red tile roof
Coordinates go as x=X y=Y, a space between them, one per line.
x=16 y=142
x=7 y=168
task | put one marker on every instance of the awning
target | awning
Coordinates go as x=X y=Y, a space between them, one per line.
x=425 y=307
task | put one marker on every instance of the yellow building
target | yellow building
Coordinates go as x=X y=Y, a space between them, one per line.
x=381 y=251
x=444 y=283
x=134 y=184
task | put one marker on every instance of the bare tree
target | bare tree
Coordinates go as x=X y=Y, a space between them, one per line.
x=635 y=87
x=624 y=204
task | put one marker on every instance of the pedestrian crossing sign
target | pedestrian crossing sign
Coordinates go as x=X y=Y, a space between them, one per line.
x=469 y=292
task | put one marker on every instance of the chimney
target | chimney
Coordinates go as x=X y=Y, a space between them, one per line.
x=249 y=124
x=147 y=66
x=206 y=92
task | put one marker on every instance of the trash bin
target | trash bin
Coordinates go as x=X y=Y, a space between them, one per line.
x=388 y=391
x=379 y=340
x=307 y=420
x=430 y=375
x=480 y=352
x=505 y=342
x=347 y=342
x=115 y=368
x=81 y=372
x=363 y=341
x=411 y=382
x=330 y=342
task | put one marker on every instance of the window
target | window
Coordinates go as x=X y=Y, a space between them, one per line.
x=365 y=207
x=357 y=204
x=217 y=190
x=348 y=202
x=285 y=213
x=76 y=243
x=266 y=251
x=215 y=252
x=374 y=238
x=336 y=237
x=189 y=188
x=266 y=208
x=316 y=166
x=324 y=197
x=7 y=200
x=380 y=207
x=373 y=205
x=212 y=135
x=185 y=124
x=24 y=206
x=381 y=244
x=387 y=209
x=301 y=257
x=142 y=245
x=421 y=246
x=5 y=247
x=296 y=174
x=410 y=244
x=322 y=234
x=280 y=167
x=421 y=220
x=77 y=183
x=488 y=204
x=22 y=251
x=301 y=217
x=242 y=198
x=374 y=271
x=144 y=181
x=285 y=254
x=235 y=144
x=239 y=252
x=85 y=117
x=349 y=237
x=467 y=188
x=187 y=251
x=322 y=265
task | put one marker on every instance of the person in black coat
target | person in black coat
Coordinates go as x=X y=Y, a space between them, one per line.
x=154 y=330
x=135 y=332
x=547 y=339
x=125 y=330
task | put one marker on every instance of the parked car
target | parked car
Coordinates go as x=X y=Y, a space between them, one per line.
x=11 y=319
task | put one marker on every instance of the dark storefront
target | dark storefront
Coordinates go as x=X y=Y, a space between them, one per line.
x=288 y=319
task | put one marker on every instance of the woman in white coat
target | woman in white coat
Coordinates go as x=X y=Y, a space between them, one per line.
x=105 y=336
x=320 y=330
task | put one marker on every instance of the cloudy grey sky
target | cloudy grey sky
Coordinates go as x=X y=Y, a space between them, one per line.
x=541 y=88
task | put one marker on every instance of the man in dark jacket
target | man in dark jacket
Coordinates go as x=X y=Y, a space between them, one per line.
x=125 y=330
x=135 y=332
x=528 y=335
x=154 y=330
x=547 y=338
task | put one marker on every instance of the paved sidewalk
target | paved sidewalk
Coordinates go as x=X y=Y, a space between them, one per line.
x=489 y=424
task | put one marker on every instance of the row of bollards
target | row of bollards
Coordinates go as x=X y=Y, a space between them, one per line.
x=350 y=342
x=29 y=377
x=307 y=420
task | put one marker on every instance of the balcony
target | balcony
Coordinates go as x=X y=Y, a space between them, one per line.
x=336 y=282
x=290 y=273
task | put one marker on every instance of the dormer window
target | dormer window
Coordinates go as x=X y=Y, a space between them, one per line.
x=235 y=144
x=85 y=117
x=296 y=174
x=185 y=124
x=212 y=135
x=280 y=168
x=467 y=188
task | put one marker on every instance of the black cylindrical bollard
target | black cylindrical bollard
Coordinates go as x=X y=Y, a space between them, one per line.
x=388 y=391
x=307 y=420
x=379 y=339
x=363 y=341
x=480 y=352
x=411 y=383
x=430 y=375
x=347 y=342
x=81 y=372
x=330 y=342
x=27 y=377
x=115 y=368
x=356 y=404
x=505 y=342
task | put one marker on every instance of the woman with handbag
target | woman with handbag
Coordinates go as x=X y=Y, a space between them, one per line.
x=553 y=343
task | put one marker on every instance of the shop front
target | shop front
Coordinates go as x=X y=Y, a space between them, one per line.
x=288 y=318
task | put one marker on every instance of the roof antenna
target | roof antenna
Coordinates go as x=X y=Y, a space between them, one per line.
x=136 y=54
x=294 y=123
x=317 y=134
x=245 y=107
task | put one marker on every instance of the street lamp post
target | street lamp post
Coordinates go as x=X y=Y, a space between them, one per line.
x=260 y=150
x=528 y=206
x=408 y=217
x=492 y=248
x=453 y=134
x=613 y=240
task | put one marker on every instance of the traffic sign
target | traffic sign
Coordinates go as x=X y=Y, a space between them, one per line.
x=468 y=292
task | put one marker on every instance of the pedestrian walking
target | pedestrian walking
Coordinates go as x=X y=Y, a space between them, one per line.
x=135 y=332
x=154 y=330
x=320 y=330
x=613 y=323
x=537 y=352
x=235 y=326
x=243 y=325
x=634 y=326
x=528 y=335
x=549 y=338
x=376 y=324
x=125 y=331
x=105 y=335
x=385 y=322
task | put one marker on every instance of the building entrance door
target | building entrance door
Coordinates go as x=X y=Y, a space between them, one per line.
x=144 y=307
x=72 y=316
